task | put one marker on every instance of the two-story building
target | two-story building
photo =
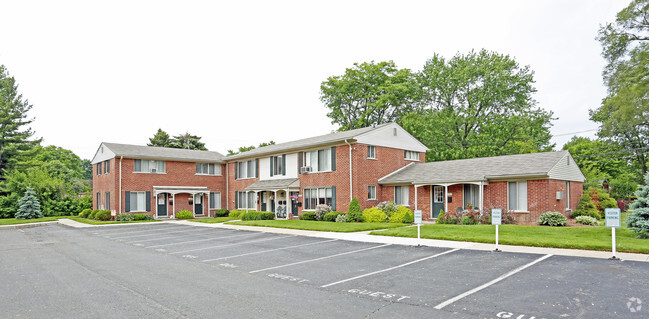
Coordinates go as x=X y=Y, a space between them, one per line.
x=372 y=164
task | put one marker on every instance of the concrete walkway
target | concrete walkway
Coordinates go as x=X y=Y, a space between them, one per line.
x=365 y=237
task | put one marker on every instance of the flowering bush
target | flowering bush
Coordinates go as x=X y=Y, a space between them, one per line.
x=388 y=207
x=321 y=210
x=374 y=215
x=586 y=220
x=341 y=218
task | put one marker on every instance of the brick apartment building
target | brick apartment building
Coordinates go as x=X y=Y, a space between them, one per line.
x=372 y=164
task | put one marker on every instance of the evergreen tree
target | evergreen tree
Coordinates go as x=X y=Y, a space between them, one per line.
x=638 y=220
x=586 y=207
x=354 y=213
x=160 y=139
x=13 y=119
x=28 y=206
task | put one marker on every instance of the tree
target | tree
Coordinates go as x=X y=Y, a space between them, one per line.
x=248 y=148
x=368 y=93
x=14 y=135
x=475 y=105
x=638 y=220
x=160 y=139
x=624 y=113
x=187 y=141
x=354 y=212
x=586 y=207
x=28 y=206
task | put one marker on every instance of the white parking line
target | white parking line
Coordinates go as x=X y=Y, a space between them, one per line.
x=200 y=240
x=388 y=269
x=151 y=228
x=268 y=250
x=170 y=237
x=474 y=290
x=321 y=258
x=234 y=244
x=158 y=233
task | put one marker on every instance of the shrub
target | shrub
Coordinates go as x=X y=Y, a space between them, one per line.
x=321 y=210
x=84 y=213
x=469 y=220
x=354 y=213
x=103 y=215
x=184 y=214
x=552 y=219
x=307 y=216
x=341 y=218
x=587 y=220
x=601 y=199
x=485 y=218
x=586 y=208
x=236 y=213
x=402 y=215
x=28 y=206
x=374 y=215
x=93 y=214
x=508 y=218
x=255 y=215
x=125 y=217
x=638 y=220
x=142 y=217
x=332 y=216
x=448 y=218
x=221 y=213
x=388 y=207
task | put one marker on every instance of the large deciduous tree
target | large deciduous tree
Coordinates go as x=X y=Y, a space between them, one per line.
x=14 y=131
x=475 y=105
x=624 y=113
x=368 y=93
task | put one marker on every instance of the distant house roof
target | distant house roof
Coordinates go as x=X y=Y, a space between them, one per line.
x=331 y=138
x=160 y=153
x=554 y=165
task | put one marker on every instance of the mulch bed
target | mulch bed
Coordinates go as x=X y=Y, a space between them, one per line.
x=571 y=223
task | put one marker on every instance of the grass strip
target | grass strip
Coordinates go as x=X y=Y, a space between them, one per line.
x=318 y=226
x=14 y=221
x=214 y=220
x=591 y=238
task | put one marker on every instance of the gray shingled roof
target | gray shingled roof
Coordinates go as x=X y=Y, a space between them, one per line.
x=306 y=142
x=164 y=153
x=476 y=169
x=274 y=184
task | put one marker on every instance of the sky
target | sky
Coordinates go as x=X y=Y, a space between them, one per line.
x=239 y=73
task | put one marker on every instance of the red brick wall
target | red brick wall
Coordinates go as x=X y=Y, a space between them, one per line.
x=237 y=185
x=105 y=183
x=177 y=174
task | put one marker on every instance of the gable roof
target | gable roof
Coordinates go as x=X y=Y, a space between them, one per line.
x=159 y=153
x=539 y=165
x=330 y=138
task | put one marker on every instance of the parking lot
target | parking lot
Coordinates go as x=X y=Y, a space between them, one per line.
x=252 y=274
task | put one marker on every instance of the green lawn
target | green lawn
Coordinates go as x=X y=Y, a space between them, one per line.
x=214 y=220
x=98 y=222
x=593 y=238
x=319 y=226
x=13 y=221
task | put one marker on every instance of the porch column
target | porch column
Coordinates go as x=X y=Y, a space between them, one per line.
x=173 y=209
x=416 y=196
x=288 y=201
x=275 y=201
x=193 y=204
x=445 y=199
x=482 y=196
x=258 y=205
x=156 y=205
x=247 y=192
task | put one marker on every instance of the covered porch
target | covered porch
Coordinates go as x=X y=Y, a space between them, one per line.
x=171 y=199
x=278 y=196
x=452 y=196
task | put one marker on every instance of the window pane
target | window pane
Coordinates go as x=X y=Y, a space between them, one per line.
x=138 y=165
x=522 y=196
x=217 y=169
x=161 y=166
x=397 y=194
x=210 y=169
x=144 y=166
x=405 y=195
x=513 y=205
x=314 y=160
x=307 y=199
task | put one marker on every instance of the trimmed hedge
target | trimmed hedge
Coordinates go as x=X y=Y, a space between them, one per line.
x=402 y=215
x=221 y=213
x=308 y=216
x=84 y=213
x=236 y=213
x=125 y=217
x=184 y=214
x=103 y=215
x=332 y=216
x=374 y=215
x=142 y=217
x=254 y=215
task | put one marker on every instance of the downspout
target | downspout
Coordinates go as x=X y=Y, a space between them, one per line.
x=227 y=183
x=350 y=171
x=120 y=184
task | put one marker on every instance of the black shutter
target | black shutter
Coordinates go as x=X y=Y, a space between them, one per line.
x=333 y=198
x=236 y=170
x=127 y=203
x=300 y=160
x=271 y=165
x=283 y=164
x=256 y=168
x=333 y=158
x=148 y=201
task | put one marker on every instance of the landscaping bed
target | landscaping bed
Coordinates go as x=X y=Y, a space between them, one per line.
x=99 y=222
x=319 y=225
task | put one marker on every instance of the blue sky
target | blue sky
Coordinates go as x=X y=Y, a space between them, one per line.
x=244 y=72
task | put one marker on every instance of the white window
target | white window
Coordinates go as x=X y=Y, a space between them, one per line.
x=215 y=200
x=208 y=169
x=247 y=169
x=401 y=195
x=412 y=155
x=471 y=196
x=138 y=201
x=517 y=196
x=320 y=160
x=147 y=166
x=246 y=200
x=277 y=165
x=371 y=192
x=316 y=196
x=371 y=151
x=567 y=196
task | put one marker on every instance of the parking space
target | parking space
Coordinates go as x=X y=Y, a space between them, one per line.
x=481 y=284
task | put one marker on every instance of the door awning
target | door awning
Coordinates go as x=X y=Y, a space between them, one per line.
x=180 y=190
x=275 y=184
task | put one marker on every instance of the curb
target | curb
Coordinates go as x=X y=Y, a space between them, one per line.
x=27 y=225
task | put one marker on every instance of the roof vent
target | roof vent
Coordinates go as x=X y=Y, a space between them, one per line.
x=395 y=131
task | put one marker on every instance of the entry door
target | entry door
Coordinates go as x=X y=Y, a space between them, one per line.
x=198 y=204
x=294 y=204
x=162 y=205
x=264 y=198
x=438 y=200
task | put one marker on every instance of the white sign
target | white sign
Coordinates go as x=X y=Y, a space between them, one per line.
x=496 y=216
x=613 y=217
x=418 y=216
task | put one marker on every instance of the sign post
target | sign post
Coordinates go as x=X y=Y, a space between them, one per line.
x=496 y=219
x=418 y=222
x=613 y=220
